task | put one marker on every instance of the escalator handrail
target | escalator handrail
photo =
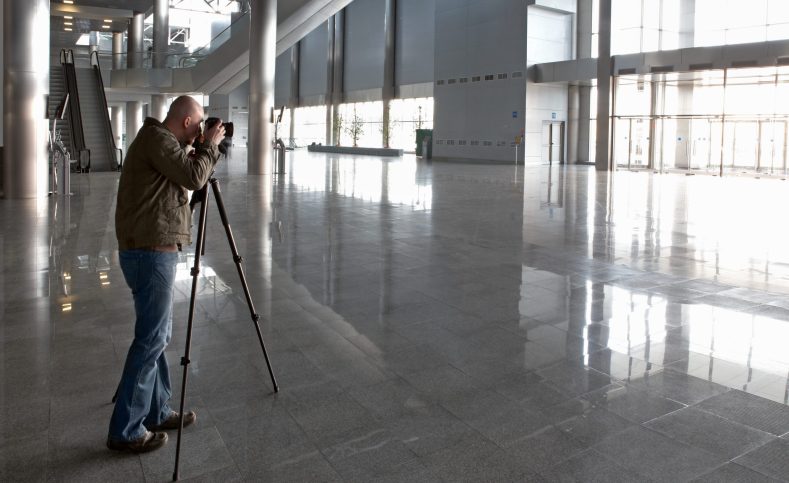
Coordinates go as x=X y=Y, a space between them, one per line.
x=110 y=136
x=75 y=113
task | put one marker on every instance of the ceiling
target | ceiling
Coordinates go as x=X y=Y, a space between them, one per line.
x=90 y=15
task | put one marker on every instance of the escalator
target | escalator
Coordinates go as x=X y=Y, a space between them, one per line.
x=92 y=142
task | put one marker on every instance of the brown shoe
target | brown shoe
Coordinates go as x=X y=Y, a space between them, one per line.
x=147 y=442
x=173 y=420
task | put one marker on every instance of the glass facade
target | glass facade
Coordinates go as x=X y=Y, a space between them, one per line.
x=652 y=25
x=717 y=121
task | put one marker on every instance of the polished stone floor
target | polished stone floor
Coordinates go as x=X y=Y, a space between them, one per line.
x=426 y=322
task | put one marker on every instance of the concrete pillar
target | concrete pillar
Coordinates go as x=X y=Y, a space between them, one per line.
x=331 y=115
x=133 y=121
x=158 y=106
x=117 y=50
x=388 y=91
x=116 y=118
x=293 y=102
x=684 y=137
x=25 y=89
x=584 y=93
x=337 y=71
x=262 y=64
x=134 y=42
x=161 y=32
x=573 y=121
x=93 y=42
x=603 y=151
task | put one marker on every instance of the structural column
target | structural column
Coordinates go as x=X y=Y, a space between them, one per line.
x=25 y=89
x=684 y=136
x=134 y=42
x=337 y=73
x=133 y=121
x=584 y=91
x=293 y=102
x=93 y=43
x=116 y=116
x=158 y=106
x=117 y=50
x=602 y=153
x=388 y=91
x=161 y=32
x=262 y=65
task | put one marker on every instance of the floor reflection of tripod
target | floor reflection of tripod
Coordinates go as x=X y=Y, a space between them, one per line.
x=202 y=198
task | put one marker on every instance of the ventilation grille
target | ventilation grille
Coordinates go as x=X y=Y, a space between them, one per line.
x=490 y=77
x=440 y=82
x=503 y=76
x=660 y=68
x=517 y=75
x=477 y=78
x=463 y=80
x=745 y=63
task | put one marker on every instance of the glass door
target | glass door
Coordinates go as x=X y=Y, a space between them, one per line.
x=772 y=147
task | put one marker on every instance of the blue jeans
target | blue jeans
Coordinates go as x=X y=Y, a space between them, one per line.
x=144 y=390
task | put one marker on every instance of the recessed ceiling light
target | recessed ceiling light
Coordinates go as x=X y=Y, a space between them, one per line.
x=68 y=23
x=68 y=17
x=107 y=20
x=105 y=26
x=68 y=1
x=67 y=29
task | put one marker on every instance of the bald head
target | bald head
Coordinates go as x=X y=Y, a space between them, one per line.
x=184 y=118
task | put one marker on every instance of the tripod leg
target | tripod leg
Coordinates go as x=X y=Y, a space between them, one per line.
x=185 y=359
x=237 y=259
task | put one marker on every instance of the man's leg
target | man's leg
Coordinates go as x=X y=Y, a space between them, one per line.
x=151 y=276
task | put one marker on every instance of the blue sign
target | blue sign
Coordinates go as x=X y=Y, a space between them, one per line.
x=514 y=114
x=553 y=115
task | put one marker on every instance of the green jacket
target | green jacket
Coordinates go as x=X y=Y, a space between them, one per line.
x=153 y=198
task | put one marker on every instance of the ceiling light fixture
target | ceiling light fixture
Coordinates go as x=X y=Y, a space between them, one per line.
x=67 y=29
x=68 y=1
x=68 y=17
x=105 y=26
x=68 y=23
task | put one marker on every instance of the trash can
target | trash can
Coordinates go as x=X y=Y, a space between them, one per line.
x=420 y=136
x=427 y=147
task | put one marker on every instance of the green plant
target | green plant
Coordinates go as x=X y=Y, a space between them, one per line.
x=355 y=128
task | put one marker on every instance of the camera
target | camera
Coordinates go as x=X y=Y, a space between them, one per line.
x=211 y=122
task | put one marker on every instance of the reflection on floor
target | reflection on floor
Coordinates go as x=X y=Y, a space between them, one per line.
x=426 y=322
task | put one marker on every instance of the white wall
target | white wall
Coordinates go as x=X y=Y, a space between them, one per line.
x=475 y=38
x=549 y=39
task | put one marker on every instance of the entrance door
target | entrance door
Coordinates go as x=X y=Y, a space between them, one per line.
x=772 y=150
x=553 y=142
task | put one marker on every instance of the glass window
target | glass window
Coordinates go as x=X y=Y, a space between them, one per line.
x=407 y=116
x=362 y=124
x=310 y=125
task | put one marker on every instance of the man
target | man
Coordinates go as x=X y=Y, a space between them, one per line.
x=152 y=221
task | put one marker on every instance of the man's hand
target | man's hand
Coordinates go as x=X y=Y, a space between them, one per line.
x=215 y=134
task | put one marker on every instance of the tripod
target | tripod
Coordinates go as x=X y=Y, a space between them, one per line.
x=202 y=198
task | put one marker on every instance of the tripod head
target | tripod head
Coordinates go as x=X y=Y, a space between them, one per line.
x=198 y=196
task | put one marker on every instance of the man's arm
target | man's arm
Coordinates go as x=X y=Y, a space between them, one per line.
x=190 y=171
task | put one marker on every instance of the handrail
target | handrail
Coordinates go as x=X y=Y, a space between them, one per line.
x=108 y=132
x=74 y=111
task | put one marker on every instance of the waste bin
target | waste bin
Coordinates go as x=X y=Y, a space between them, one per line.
x=427 y=147
x=420 y=136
